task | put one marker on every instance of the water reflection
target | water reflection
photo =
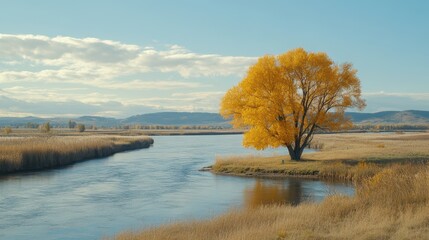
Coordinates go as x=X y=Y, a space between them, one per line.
x=279 y=192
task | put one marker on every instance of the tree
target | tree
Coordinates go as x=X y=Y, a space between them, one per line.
x=7 y=130
x=284 y=99
x=72 y=124
x=80 y=127
x=45 y=128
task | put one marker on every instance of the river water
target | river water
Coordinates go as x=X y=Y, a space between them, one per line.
x=139 y=189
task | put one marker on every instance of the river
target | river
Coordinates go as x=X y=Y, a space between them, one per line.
x=139 y=189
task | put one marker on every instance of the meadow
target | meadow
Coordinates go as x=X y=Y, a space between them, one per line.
x=50 y=151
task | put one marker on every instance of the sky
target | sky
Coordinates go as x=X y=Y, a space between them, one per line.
x=122 y=58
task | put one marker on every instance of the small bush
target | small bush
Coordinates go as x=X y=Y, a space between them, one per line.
x=7 y=130
x=80 y=127
x=45 y=128
x=72 y=124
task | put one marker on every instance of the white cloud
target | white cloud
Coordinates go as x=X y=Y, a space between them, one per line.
x=59 y=51
x=28 y=94
x=417 y=96
x=186 y=63
x=21 y=101
x=91 y=59
x=139 y=84
x=42 y=75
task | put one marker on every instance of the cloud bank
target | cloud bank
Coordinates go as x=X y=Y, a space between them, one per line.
x=88 y=72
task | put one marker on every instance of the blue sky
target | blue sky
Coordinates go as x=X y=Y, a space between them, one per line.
x=120 y=58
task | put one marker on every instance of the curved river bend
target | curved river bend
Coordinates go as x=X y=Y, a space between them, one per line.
x=139 y=189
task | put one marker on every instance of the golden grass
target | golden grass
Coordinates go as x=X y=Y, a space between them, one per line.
x=394 y=204
x=352 y=156
x=33 y=153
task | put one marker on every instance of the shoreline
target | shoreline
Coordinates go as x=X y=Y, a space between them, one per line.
x=269 y=176
x=38 y=159
x=265 y=175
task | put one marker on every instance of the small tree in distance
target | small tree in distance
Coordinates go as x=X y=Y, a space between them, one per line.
x=45 y=128
x=7 y=130
x=80 y=127
x=284 y=99
x=72 y=124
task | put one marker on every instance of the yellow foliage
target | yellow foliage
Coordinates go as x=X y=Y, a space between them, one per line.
x=283 y=99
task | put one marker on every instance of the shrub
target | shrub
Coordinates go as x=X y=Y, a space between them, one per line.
x=45 y=128
x=7 y=130
x=72 y=124
x=80 y=127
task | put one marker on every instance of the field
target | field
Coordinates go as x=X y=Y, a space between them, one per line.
x=351 y=156
x=49 y=151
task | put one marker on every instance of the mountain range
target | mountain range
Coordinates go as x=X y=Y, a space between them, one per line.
x=203 y=118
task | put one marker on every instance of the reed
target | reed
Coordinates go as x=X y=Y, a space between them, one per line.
x=35 y=153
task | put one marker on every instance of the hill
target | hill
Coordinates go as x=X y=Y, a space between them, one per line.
x=176 y=118
x=208 y=119
x=391 y=117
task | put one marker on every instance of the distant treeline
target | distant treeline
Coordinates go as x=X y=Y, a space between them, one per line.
x=390 y=127
x=171 y=127
x=73 y=125
x=359 y=126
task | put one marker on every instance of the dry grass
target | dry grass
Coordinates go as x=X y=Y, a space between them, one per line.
x=372 y=147
x=353 y=156
x=33 y=153
x=264 y=166
x=394 y=204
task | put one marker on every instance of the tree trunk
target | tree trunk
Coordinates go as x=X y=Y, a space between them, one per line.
x=295 y=153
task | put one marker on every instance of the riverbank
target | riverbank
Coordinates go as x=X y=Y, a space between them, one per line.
x=19 y=154
x=391 y=205
x=346 y=156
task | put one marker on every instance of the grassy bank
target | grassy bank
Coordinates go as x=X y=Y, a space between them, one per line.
x=35 y=153
x=341 y=156
x=394 y=204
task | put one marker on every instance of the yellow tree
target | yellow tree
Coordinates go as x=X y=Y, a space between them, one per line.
x=284 y=99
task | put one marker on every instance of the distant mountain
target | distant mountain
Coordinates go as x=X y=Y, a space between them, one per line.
x=98 y=121
x=20 y=121
x=176 y=118
x=391 y=117
x=58 y=122
x=161 y=118
x=202 y=118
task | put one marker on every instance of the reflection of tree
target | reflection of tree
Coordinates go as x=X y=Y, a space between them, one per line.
x=265 y=193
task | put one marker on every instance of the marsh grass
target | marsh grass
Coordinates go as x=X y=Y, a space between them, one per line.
x=34 y=153
x=393 y=204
